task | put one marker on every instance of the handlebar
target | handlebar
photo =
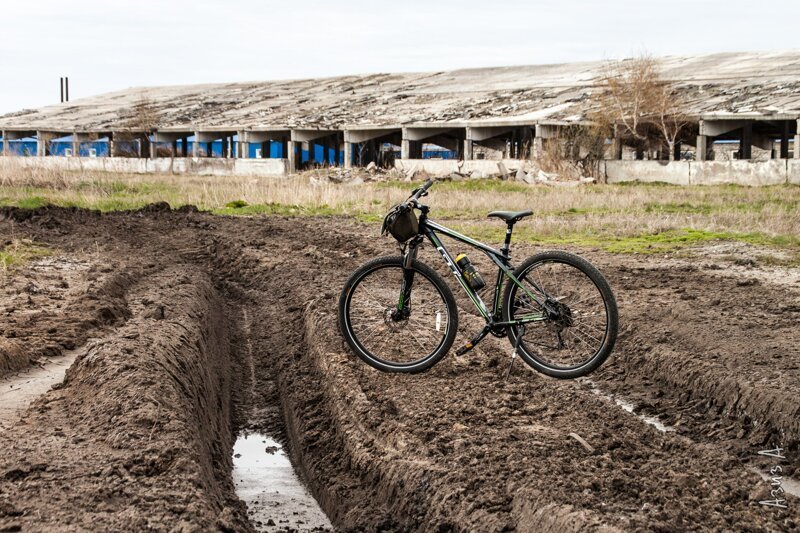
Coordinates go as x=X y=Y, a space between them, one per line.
x=419 y=192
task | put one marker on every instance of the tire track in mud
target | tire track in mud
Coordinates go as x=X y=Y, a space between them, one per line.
x=139 y=434
x=395 y=480
x=719 y=372
x=454 y=448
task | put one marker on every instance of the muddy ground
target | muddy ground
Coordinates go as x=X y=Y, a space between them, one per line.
x=187 y=329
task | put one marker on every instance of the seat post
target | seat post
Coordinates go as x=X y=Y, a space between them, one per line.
x=506 y=246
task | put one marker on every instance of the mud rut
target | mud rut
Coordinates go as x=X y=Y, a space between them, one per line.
x=190 y=328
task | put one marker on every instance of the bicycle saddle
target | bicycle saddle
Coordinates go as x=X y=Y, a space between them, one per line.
x=510 y=216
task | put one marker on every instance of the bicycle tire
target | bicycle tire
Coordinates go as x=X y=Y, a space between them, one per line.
x=362 y=351
x=606 y=345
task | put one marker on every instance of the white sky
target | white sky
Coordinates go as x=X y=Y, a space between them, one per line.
x=105 y=45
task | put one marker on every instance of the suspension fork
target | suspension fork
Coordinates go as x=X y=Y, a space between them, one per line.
x=409 y=255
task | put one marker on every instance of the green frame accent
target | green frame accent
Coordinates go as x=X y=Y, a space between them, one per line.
x=429 y=229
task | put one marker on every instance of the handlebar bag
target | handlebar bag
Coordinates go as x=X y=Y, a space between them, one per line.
x=401 y=222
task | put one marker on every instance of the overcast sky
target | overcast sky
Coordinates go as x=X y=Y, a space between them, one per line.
x=107 y=45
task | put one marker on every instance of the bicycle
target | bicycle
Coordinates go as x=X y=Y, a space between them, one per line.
x=398 y=315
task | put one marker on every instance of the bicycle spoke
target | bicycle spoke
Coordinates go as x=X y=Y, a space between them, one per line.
x=581 y=333
x=391 y=338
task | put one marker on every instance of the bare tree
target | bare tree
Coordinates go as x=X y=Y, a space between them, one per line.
x=143 y=115
x=142 y=119
x=637 y=104
x=671 y=116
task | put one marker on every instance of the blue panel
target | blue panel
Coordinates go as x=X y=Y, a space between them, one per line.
x=21 y=147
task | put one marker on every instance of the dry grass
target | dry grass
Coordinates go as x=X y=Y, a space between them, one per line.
x=599 y=214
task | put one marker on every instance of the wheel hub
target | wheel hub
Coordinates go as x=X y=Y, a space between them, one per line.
x=395 y=319
x=559 y=314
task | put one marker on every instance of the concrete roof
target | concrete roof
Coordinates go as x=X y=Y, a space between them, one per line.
x=724 y=86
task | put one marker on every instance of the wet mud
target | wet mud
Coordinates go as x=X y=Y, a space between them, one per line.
x=189 y=329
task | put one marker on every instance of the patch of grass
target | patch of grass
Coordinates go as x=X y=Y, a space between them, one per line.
x=236 y=204
x=18 y=252
x=628 y=218
x=32 y=202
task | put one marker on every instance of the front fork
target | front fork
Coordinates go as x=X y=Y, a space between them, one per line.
x=404 y=300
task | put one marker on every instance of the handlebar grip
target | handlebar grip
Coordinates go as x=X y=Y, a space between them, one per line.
x=418 y=193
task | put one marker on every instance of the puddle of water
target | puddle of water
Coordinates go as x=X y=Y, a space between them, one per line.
x=652 y=420
x=17 y=392
x=266 y=481
x=629 y=408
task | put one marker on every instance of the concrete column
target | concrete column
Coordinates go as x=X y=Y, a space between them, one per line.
x=537 y=147
x=76 y=145
x=223 y=152
x=174 y=147
x=41 y=143
x=291 y=153
x=702 y=148
x=405 y=149
x=153 y=147
x=195 y=147
x=6 y=145
x=244 y=146
x=111 y=146
x=468 y=149
x=348 y=155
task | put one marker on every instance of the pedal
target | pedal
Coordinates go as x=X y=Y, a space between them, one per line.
x=474 y=341
x=464 y=349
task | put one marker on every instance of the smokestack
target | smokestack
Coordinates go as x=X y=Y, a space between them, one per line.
x=61 y=81
x=66 y=89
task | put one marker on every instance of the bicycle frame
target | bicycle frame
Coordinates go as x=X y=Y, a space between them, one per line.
x=430 y=230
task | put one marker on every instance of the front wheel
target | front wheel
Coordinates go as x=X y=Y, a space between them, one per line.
x=397 y=319
x=570 y=313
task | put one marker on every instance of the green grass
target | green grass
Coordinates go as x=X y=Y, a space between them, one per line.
x=626 y=218
x=91 y=194
x=19 y=252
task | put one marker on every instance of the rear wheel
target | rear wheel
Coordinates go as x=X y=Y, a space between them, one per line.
x=578 y=312
x=395 y=330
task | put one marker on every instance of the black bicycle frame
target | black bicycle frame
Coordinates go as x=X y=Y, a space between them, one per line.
x=501 y=258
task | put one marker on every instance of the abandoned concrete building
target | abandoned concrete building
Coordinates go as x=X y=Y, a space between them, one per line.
x=742 y=108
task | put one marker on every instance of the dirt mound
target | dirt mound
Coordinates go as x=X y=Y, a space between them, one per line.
x=56 y=304
x=230 y=323
x=139 y=434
